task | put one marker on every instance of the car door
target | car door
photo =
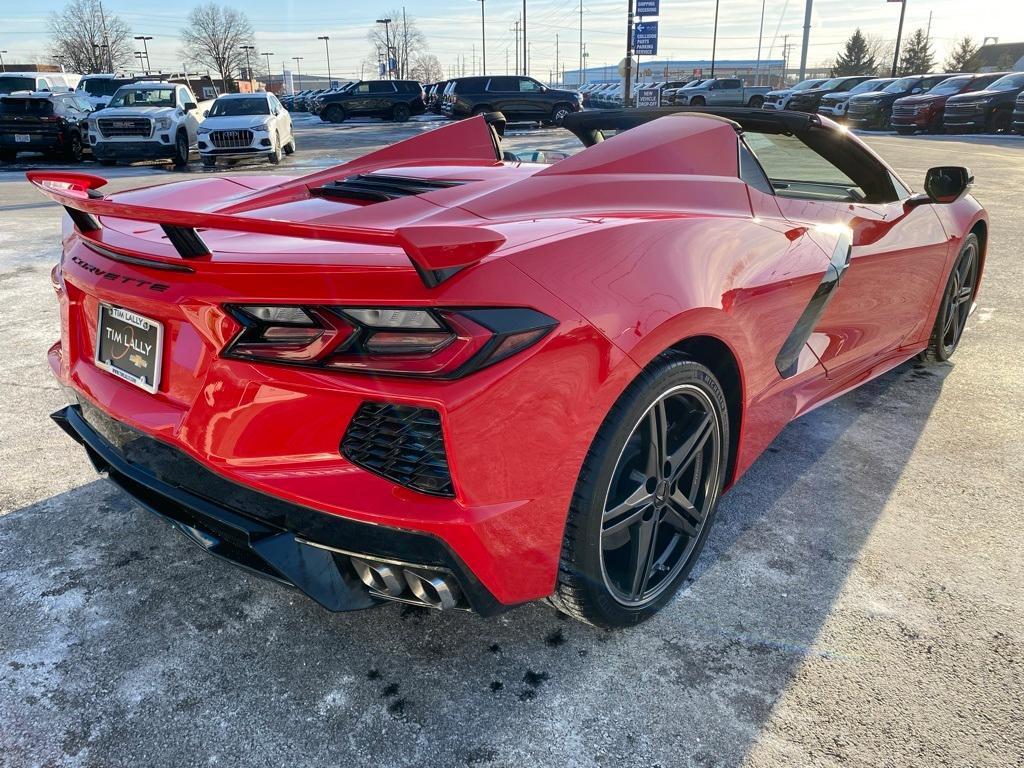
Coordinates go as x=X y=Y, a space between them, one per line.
x=898 y=259
x=382 y=97
x=726 y=92
x=532 y=101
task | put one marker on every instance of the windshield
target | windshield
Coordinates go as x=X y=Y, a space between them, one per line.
x=1008 y=83
x=100 y=86
x=231 y=107
x=143 y=97
x=14 y=83
x=901 y=85
x=867 y=86
x=806 y=84
x=32 y=107
x=951 y=86
x=832 y=84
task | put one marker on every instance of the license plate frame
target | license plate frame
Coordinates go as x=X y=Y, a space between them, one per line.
x=136 y=358
x=22 y=138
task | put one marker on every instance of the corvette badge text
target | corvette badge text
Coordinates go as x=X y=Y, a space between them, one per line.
x=123 y=279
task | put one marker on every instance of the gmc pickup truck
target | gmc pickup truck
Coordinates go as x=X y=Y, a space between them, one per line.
x=723 y=92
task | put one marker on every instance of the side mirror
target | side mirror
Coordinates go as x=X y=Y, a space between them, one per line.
x=206 y=113
x=947 y=183
x=189 y=106
x=916 y=90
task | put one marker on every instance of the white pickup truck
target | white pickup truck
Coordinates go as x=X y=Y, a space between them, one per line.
x=723 y=92
x=146 y=121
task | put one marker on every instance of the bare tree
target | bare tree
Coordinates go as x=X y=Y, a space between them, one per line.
x=85 y=37
x=403 y=36
x=426 y=68
x=214 y=37
x=881 y=50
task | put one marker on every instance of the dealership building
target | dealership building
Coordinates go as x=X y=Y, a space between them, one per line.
x=764 y=72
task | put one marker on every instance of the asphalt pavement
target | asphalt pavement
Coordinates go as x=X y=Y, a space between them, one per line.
x=860 y=601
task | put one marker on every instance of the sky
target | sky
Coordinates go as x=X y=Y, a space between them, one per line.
x=452 y=28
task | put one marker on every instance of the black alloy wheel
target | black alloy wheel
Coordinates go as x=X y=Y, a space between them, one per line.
x=400 y=113
x=646 y=496
x=885 y=118
x=73 y=153
x=333 y=113
x=697 y=101
x=956 y=302
x=559 y=114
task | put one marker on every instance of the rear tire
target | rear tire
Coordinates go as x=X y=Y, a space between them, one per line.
x=560 y=112
x=400 y=113
x=289 y=148
x=333 y=113
x=653 y=474
x=961 y=287
x=275 y=153
x=73 y=153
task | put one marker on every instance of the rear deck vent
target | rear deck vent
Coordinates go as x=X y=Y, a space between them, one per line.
x=375 y=188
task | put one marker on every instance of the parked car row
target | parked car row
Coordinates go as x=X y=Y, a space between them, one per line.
x=145 y=120
x=939 y=102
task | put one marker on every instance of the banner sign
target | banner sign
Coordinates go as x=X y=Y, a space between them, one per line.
x=647 y=7
x=645 y=38
x=648 y=97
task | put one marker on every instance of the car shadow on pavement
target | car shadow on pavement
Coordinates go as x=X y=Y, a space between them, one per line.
x=125 y=644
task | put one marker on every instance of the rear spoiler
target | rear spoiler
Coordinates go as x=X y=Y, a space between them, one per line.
x=437 y=252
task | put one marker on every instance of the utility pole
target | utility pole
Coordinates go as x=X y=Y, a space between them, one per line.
x=526 y=50
x=506 y=60
x=785 y=57
x=556 y=56
x=387 y=47
x=483 y=41
x=298 y=69
x=714 y=42
x=807 y=37
x=899 y=37
x=145 y=48
x=516 y=28
x=327 y=47
x=106 y=39
x=627 y=90
x=268 y=54
x=248 y=64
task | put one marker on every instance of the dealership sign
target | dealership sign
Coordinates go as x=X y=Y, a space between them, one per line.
x=648 y=97
x=645 y=38
x=647 y=7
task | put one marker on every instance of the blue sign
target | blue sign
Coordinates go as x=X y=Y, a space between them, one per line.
x=645 y=38
x=647 y=7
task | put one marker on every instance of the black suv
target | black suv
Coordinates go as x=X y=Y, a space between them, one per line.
x=392 y=99
x=42 y=122
x=874 y=110
x=990 y=110
x=810 y=99
x=518 y=98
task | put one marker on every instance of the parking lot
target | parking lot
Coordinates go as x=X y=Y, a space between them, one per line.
x=859 y=601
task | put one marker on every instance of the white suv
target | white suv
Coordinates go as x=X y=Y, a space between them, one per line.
x=246 y=125
x=146 y=121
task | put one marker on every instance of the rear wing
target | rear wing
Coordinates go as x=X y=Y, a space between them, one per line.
x=437 y=252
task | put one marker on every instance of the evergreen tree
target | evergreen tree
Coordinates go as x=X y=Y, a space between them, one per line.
x=917 y=57
x=856 y=57
x=960 y=57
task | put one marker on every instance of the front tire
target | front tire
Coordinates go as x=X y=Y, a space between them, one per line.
x=181 y=152
x=646 y=496
x=697 y=101
x=957 y=298
x=400 y=113
x=333 y=113
x=73 y=153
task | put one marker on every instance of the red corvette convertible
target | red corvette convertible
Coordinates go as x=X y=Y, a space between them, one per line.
x=445 y=377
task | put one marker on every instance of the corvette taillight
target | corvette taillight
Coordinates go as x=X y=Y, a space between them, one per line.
x=443 y=343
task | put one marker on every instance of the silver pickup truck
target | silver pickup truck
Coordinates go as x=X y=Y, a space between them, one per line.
x=723 y=92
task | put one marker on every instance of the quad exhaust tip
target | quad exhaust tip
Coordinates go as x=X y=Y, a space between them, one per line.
x=419 y=587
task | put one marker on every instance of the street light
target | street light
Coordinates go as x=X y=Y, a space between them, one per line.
x=248 y=64
x=387 y=44
x=140 y=55
x=483 y=41
x=145 y=47
x=327 y=47
x=298 y=69
x=268 y=54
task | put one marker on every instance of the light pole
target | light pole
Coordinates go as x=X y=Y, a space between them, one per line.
x=139 y=55
x=248 y=63
x=298 y=69
x=268 y=54
x=3 y=67
x=483 y=41
x=714 y=42
x=387 y=46
x=145 y=48
x=807 y=36
x=327 y=46
x=899 y=35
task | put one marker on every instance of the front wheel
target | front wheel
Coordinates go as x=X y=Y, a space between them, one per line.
x=73 y=153
x=956 y=302
x=180 y=150
x=646 y=496
x=289 y=148
x=333 y=113
x=697 y=101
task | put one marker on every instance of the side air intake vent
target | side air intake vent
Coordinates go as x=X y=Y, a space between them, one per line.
x=376 y=188
x=402 y=443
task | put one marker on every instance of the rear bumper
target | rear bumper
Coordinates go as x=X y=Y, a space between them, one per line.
x=295 y=545
x=38 y=143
